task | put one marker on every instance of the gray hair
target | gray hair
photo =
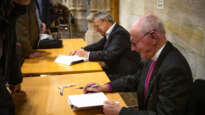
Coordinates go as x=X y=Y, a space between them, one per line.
x=152 y=23
x=101 y=15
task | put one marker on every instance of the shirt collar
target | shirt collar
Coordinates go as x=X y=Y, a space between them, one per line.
x=156 y=56
x=109 y=31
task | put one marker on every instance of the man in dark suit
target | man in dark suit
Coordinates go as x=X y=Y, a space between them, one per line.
x=46 y=6
x=27 y=31
x=10 y=75
x=113 y=49
x=164 y=82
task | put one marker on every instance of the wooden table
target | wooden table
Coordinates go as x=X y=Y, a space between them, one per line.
x=42 y=96
x=46 y=64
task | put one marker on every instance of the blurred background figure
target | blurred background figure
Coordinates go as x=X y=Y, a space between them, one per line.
x=28 y=31
x=10 y=74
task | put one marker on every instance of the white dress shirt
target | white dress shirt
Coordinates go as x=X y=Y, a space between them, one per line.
x=108 y=32
x=156 y=55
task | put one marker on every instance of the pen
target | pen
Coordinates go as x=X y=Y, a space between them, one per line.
x=81 y=87
x=92 y=86
x=116 y=102
x=132 y=106
x=69 y=85
x=65 y=86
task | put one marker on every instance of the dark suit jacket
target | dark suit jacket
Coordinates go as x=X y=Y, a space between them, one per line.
x=46 y=13
x=9 y=66
x=169 y=88
x=27 y=30
x=115 y=52
x=8 y=63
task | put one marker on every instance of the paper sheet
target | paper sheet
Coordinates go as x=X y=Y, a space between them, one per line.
x=87 y=100
x=68 y=60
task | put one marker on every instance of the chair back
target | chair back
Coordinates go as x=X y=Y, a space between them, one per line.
x=196 y=104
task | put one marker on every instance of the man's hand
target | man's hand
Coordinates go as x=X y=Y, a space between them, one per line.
x=93 y=87
x=80 y=52
x=111 y=108
x=43 y=28
x=22 y=2
x=35 y=54
x=14 y=88
x=72 y=53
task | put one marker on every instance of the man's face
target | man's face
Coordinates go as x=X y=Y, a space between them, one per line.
x=142 y=43
x=101 y=26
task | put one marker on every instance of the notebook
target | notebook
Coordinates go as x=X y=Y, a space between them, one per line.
x=86 y=101
x=69 y=60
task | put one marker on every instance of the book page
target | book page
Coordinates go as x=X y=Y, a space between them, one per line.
x=87 y=100
x=68 y=60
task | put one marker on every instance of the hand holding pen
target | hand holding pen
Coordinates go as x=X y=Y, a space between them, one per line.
x=91 y=87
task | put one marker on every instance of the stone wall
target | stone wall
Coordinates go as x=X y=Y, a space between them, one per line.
x=91 y=35
x=79 y=10
x=130 y=10
x=184 y=23
x=83 y=10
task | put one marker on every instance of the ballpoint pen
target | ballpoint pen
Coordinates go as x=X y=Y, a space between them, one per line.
x=64 y=86
x=81 y=87
x=92 y=86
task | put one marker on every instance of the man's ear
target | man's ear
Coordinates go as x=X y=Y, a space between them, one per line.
x=155 y=37
x=105 y=20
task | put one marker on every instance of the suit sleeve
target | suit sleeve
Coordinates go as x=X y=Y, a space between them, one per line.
x=127 y=83
x=116 y=47
x=23 y=35
x=13 y=70
x=3 y=24
x=15 y=75
x=174 y=89
x=96 y=46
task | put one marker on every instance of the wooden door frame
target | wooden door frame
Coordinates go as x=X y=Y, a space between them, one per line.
x=114 y=9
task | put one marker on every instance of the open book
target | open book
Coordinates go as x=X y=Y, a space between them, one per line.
x=69 y=60
x=86 y=101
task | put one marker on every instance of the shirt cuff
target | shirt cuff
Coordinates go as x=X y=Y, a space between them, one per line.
x=87 y=59
x=109 y=87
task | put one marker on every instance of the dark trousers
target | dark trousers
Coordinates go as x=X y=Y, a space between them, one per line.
x=6 y=102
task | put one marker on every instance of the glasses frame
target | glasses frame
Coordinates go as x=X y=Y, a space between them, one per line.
x=147 y=33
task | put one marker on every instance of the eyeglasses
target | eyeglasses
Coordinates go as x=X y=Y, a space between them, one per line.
x=139 y=39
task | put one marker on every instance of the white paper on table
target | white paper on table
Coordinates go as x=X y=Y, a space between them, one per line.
x=69 y=60
x=84 y=101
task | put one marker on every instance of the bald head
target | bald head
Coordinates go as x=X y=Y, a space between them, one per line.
x=147 y=35
x=148 y=23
